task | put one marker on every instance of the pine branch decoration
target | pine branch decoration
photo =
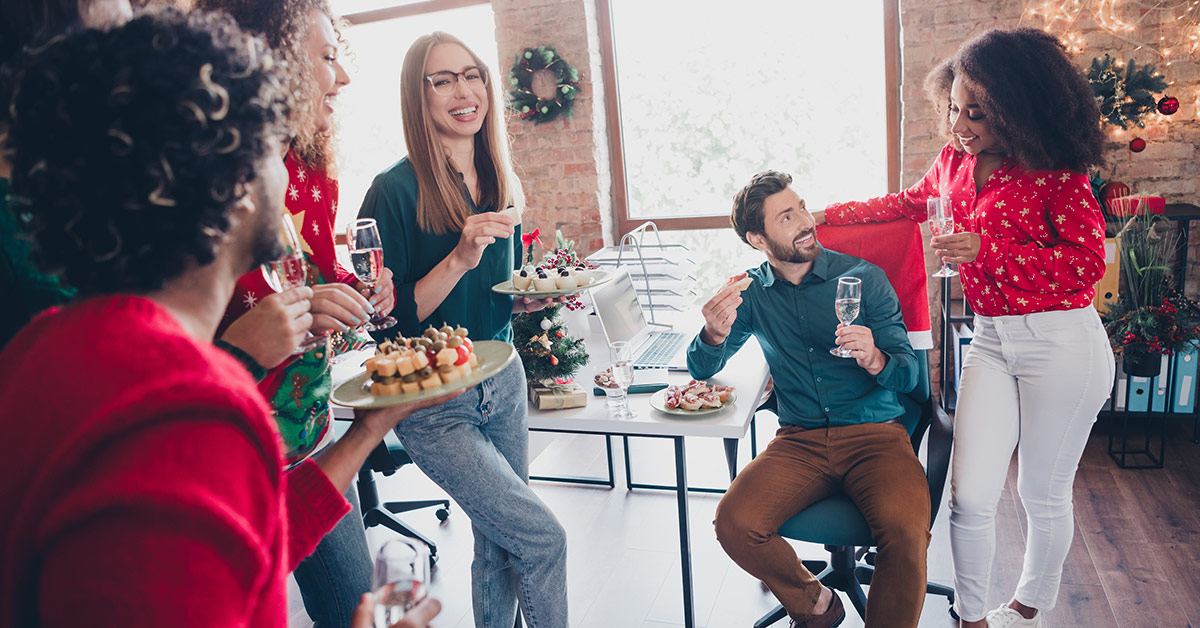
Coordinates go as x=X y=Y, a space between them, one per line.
x=1124 y=97
x=560 y=360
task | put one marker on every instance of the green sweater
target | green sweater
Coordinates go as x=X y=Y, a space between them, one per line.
x=26 y=289
x=795 y=327
x=411 y=253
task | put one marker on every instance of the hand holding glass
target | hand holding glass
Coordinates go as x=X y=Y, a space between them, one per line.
x=366 y=258
x=846 y=304
x=622 y=373
x=290 y=271
x=400 y=580
x=941 y=223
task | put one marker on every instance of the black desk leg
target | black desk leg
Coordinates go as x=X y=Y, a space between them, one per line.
x=685 y=541
x=731 y=447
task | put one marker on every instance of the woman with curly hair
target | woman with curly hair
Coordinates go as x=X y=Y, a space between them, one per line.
x=150 y=489
x=260 y=330
x=448 y=240
x=1024 y=129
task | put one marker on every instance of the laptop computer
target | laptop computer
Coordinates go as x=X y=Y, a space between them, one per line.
x=622 y=318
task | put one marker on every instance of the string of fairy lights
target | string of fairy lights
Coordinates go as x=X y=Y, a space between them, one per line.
x=1162 y=31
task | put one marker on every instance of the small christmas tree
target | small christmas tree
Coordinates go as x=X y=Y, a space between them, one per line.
x=549 y=355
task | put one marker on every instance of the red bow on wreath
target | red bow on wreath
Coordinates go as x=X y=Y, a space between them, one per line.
x=529 y=238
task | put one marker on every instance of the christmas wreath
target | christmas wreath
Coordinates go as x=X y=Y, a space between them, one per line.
x=1124 y=95
x=542 y=85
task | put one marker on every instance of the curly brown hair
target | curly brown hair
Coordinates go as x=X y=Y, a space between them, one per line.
x=133 y=145
x=284 y=24
x=1037 y=102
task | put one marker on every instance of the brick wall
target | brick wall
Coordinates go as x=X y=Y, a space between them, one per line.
x=932 y=30
x=564 y=164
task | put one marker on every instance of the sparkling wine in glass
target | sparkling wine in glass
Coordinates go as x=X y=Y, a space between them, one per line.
x=400 y=580
x=941 y=222
x=846 y=304
x=288 y=272
x=622 y=373
x=366 y=258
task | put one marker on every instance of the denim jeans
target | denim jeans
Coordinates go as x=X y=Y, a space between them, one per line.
x=338 y=572
x=476 y=448
x=1033 y=383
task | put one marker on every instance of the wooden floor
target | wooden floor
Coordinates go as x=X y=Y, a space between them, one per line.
x=1135 y=560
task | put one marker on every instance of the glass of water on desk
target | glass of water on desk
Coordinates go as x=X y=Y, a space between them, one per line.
x=622 y=373
x=400 y=579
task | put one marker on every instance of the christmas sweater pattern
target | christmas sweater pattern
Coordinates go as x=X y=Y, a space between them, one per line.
x=299 y=388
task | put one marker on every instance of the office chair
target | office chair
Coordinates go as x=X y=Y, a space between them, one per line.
x=387 y=458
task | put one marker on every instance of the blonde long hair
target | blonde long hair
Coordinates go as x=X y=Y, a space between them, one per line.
x=441 y=207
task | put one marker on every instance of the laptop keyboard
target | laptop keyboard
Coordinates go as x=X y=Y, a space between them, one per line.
x=660 y=352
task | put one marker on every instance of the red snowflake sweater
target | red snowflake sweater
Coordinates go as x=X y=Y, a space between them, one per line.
x=1042 y=233
x=298 y=389
x=144 y=486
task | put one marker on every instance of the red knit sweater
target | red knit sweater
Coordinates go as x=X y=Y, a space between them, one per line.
x=142 y=483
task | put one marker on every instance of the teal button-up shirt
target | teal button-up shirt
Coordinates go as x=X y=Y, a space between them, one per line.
x=795 y=326
x=411 y=253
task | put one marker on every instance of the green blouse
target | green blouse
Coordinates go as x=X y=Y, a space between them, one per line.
x=411 y=253
x=26 y=289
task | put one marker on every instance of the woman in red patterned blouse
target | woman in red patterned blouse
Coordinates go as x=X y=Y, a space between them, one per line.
x=1030 y=240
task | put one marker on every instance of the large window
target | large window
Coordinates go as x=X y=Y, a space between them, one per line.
x=710 y=93
x=370 y=134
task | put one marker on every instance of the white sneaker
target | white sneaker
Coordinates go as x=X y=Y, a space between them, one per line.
x=1005 y=617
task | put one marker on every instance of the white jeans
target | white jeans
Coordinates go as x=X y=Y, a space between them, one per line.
x=1035 y=383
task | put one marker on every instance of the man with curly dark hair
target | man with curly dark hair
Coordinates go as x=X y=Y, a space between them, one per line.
x=149 y=484
x=24 y=23
x=1024 y=128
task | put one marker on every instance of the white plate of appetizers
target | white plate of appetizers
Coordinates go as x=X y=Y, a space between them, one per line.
x=659 y=402
x=600 y=277
x=493 y=356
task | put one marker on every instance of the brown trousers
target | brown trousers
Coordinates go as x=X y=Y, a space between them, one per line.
x=874 y=465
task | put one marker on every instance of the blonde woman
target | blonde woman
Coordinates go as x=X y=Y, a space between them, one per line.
x=447 y=244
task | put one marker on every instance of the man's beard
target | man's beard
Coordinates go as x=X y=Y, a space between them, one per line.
x=267 y=245
x=790 y=254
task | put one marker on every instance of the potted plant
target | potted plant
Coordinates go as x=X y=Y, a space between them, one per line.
x=1149 y=318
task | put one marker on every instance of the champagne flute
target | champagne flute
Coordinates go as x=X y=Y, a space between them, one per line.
x=941 y=222
x=400 y=580
x=622 y=373
x=366 y=258
x=290 y=271
x=846 y=304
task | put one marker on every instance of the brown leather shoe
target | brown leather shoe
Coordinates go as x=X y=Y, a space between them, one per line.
x=829 y=619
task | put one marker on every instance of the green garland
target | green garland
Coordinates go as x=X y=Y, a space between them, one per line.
x=521 y=98
x=1125 y=95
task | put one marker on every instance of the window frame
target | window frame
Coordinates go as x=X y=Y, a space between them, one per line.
x=616 y=142
x=406 y=10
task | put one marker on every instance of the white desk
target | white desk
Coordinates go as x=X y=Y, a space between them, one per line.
x=747 y=372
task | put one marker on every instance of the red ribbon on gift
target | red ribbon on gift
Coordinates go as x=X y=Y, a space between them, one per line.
x=530 y=238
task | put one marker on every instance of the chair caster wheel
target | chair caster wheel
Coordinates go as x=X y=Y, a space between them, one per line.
x=442 y=514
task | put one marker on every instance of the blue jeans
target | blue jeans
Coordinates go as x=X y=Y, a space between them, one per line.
x=338 y=572
x=476 y=448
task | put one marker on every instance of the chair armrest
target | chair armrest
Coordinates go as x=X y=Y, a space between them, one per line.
x=937 y=454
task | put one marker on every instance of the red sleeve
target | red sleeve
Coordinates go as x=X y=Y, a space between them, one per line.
x=907 y=204
x=187 y=536
x=1075 y=260
x=344 y=276
x=314 y=507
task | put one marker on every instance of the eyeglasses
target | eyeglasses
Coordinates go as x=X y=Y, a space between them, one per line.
x=444 y=83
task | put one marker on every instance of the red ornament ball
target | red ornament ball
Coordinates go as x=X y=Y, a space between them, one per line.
x=1137 y=145
x=1168 y=105
x=558 y=334
x=1113 y=189
x=553 y=360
